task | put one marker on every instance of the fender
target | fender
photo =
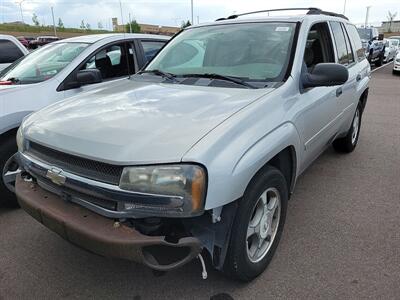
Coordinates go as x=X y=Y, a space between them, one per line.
x=12 y=121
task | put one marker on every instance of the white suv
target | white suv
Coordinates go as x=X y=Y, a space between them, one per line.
x=200 y=151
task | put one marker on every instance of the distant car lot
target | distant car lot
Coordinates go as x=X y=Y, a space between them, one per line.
x=338 y=243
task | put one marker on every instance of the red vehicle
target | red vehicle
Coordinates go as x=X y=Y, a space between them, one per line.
x=42 y=40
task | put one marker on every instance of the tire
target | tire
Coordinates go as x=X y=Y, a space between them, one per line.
x=239 y=265
x=348 y=143
x=7 y=150
x=379 y=62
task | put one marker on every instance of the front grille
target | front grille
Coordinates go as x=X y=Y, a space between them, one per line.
x=91 y=169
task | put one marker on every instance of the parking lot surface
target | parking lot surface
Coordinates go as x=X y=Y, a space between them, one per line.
x=341 y=239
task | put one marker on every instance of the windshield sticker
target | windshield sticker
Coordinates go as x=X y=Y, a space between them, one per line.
x=282 y=28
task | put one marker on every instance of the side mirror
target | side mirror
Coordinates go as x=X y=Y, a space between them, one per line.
x=325 y=74
x=88 y=76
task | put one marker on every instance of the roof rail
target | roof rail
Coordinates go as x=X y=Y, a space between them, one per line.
x=311 y=11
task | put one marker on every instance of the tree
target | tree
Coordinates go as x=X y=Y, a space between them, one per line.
x=391 y=16
x=82 y=25
x=134 y=25
x=88 y=27
x=60 y=23
x=35 y=20
x=100 y=25
x=185 y=24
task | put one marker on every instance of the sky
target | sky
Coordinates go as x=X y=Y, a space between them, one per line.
x=173 y=12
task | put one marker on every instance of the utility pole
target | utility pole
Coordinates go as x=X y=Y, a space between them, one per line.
x=198 y=20
x=54 y=23
x=20 y=9
x=191 y=2
x=344 y=7
x=122 y=15
x=130 y=23
x=367 y=16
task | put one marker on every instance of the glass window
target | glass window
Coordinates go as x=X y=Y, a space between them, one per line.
x=113 y=61
x=350 y=55
x=355 y=38
x=151 y=48
x=43 y=63
x=340 y=42
x=251 y=51
x=9 y=52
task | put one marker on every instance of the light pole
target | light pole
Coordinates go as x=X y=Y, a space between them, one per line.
x=54 y=23
x=122 y=15
x=367 y=16
x=344 y=7
x=20 y=9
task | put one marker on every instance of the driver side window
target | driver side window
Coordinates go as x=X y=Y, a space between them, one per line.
x=115 y=61
x=319 y=47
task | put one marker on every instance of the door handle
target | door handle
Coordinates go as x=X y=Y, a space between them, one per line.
x=339 y=91
x=358 y=78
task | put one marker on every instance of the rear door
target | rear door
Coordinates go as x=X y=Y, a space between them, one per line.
x=347 y=101
x=148 y=49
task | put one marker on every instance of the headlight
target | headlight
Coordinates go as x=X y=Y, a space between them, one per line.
x=20 y=140
x=174 y=190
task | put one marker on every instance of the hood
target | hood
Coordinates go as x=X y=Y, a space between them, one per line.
x=135 y=122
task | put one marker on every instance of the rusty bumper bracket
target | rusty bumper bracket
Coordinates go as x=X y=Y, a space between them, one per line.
x=99 y=234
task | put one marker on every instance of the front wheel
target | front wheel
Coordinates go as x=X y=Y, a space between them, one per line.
x=258 y=226
x=379 y=62
x=9 y=170
x=348 y=143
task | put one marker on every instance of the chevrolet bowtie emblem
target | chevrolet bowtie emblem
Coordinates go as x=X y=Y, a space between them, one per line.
x=55 y=175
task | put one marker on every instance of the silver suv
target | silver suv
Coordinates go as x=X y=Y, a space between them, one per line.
x=200 y=151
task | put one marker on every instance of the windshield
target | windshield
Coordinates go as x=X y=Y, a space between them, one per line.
x=43 y=63
x=250 y=51
x=365 y=33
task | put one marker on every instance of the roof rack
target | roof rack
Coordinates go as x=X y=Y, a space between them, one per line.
x=311 y=11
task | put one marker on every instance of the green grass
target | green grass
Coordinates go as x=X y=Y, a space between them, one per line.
x=30 y=28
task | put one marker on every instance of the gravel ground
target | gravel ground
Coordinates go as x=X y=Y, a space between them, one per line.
x=341 y=240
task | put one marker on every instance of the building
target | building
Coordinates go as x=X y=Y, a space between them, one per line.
x=147 y=28
x=395 y=27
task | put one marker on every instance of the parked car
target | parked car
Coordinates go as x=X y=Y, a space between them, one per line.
x=10 y=50
x=391 y=48
x=395 y=37
x=373 y=44
x=23 y=41
x=396 y=64
x=58 y=71
x=200 y=151
x=42 y=40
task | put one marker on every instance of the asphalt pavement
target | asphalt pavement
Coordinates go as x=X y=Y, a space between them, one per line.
x=341 y=239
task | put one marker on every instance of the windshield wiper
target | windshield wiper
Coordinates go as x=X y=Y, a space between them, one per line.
x=233 y=79
x=163 y=74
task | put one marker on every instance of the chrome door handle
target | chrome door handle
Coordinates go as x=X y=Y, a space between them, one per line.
x=339 y=91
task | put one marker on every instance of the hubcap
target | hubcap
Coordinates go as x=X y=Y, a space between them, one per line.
x=10 y=172
x=356 y=123
x=263 y=224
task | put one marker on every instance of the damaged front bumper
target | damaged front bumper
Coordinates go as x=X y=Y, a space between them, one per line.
x=102 y=235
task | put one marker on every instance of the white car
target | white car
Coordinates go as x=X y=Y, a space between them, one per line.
x=396 y=64
x=391 y=48
x=10 y=50
x=60 y=70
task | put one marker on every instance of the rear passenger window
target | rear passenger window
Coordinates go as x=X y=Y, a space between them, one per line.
x=340 y=41
x=355 y=38
x=9 y=52
x=348 y=45
x=151 y=48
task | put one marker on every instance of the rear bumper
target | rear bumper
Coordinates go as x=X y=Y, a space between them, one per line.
x=100 y=235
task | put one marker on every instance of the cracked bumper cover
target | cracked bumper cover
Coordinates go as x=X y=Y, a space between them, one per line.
x=97 y=233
